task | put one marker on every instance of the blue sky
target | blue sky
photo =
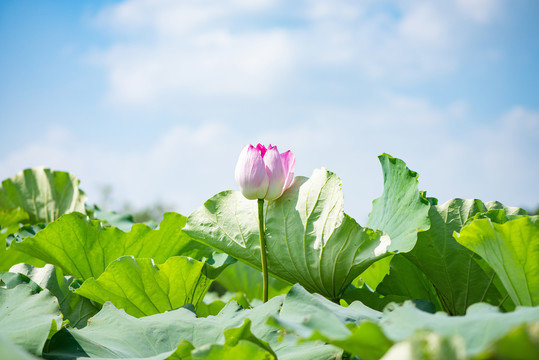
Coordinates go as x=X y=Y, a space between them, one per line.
x=157 y=98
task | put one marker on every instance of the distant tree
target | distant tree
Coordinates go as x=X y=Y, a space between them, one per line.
x=150 y=213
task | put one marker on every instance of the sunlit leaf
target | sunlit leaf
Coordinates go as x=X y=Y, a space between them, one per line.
x=84 y=248
x=44 y=194
x=142 y=288
x=512 y=250
x=401 y=212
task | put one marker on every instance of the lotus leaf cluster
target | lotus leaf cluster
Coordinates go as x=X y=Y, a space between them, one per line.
x=419 y=280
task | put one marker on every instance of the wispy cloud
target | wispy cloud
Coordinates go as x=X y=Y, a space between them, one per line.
x=233 y=47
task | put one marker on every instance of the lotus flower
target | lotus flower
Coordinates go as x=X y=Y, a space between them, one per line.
x=264 y=173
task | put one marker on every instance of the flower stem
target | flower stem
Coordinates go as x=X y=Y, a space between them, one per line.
x=263 y=250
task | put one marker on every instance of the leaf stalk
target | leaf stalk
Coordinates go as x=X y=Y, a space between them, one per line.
x=263 y=258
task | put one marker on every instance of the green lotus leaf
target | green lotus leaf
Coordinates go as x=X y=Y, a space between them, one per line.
x=456 y=272
x=83 y=248
x=482 y=324
x=113 y=334
x=142 y=288
x=401 y=212
x=314 y=312
x=310 y=240
x=44 y=194
x=75 y=308
x=27 y=319
x=512 y=250
x=353 y=328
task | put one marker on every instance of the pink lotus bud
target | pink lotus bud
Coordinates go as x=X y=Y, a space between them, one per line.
x=264 y=173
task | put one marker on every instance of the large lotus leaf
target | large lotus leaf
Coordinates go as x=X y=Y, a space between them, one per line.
x=512 y=250
x=75 y=308
x=241 y=277
x=310 y=240
x=482 y=324
x=83 y=248
x=112 y=334
x=454 y=270
x=353 y=328
x=142 y=288
x=427 y=346
x=26 y=318
x=44 y=194
x=401 y=212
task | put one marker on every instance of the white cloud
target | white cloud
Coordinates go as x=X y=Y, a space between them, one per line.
x=479 y=10
x=234 y=47
x=216 y=62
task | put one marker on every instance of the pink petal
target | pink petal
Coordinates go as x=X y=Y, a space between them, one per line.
x=275 y=171
x=289 y=163
x=251 y=174
x=261 y=149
